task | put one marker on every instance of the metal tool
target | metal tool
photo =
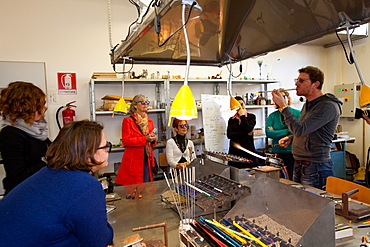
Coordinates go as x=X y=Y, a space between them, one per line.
x=132 y=195
x=267 y=159
x=280 y=89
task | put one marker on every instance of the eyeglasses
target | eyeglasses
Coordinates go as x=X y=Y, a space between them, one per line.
x=301 y=80
x=144 y=102
x=183 y=126
x=107 y=147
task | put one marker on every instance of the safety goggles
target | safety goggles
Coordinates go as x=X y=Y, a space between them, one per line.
x=107 y=147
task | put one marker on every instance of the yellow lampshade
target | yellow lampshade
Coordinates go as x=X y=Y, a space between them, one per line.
x=120 y=107
x=365 y=96
x=183 y=106
x=234 y=104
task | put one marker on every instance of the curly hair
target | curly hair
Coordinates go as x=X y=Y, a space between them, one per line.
x=314 y=73
x=75 y=146
x=22 y=100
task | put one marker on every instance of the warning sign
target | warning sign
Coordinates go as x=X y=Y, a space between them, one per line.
x=67 y=83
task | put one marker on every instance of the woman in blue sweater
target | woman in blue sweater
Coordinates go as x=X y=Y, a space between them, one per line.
x=63 y=204
x=276 y=129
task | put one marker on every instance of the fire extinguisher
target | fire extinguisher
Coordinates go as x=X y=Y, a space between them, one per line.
x=69 y=115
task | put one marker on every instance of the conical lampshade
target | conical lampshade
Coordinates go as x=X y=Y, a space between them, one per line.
x=120 y=107
x=364 y=96
x=183 y=106
x=234 y=104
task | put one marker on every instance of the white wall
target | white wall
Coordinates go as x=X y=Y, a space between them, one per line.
x=72 y=36
x=339 y=71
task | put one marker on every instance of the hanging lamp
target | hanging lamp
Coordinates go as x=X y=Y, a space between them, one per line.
x=183 y=106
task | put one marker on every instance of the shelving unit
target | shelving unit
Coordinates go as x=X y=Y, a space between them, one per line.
x=161 y=94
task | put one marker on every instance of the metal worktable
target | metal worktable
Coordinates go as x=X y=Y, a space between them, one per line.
x=148 y=210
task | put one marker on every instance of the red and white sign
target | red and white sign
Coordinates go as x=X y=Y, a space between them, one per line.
x=67 y=83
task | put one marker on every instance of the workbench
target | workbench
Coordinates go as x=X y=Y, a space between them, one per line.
x=148 y=210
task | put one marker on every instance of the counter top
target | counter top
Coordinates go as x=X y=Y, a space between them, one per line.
x=148 y=210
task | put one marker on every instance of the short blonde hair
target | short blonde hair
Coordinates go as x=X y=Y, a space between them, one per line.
x=135 y=101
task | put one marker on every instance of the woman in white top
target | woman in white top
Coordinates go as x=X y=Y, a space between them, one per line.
x=179 y=149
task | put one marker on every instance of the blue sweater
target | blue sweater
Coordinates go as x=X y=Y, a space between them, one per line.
x=55 y=208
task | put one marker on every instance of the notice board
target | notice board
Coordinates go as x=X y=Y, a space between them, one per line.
x=33 y=72
x=216 y=113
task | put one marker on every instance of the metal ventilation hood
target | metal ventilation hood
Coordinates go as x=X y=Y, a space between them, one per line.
x=237 y=29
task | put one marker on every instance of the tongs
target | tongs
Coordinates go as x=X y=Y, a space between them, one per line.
x=132 y=195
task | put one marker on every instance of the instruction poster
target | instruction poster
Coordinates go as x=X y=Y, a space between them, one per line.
x=216 y=113
x=67 y=83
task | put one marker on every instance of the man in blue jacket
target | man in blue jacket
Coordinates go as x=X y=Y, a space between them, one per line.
x=314 y=131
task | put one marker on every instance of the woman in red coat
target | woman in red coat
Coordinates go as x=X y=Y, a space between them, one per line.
x=138 y=139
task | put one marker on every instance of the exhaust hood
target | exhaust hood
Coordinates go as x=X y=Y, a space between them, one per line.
x=227 y=31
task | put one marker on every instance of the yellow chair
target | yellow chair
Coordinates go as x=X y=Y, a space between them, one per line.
x=163 y=160
x=338 y=186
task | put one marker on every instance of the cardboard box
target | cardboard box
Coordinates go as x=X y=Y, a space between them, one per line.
x=109 y=105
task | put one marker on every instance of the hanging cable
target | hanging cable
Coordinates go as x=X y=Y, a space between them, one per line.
x=348 y=23
x=240 y=70
x=349 y=60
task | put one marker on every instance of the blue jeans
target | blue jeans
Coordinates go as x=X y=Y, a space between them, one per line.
x=312 y=174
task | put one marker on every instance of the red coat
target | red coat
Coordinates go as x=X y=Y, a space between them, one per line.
x=131 y=170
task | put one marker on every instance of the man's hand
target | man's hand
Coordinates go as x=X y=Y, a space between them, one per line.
x=278 y=98
x=284 y=142
x=270 y=128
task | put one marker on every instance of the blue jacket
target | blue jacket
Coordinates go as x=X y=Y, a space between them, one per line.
x=55 y=208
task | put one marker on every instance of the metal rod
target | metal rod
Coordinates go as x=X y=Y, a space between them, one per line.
x=163 y=224
x=280 y=89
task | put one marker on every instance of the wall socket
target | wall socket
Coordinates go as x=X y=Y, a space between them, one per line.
x=52 y=97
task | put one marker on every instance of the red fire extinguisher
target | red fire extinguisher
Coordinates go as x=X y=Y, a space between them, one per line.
x=69 y=115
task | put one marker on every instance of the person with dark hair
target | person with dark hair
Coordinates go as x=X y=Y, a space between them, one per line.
x=138 y=138
x=314 y=131
x=63 y=204
x=240 y=130
x=24 y=133
x=276 y=129
x=180 y=150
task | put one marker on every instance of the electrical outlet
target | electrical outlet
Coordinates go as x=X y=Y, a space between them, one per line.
x=52 y=98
